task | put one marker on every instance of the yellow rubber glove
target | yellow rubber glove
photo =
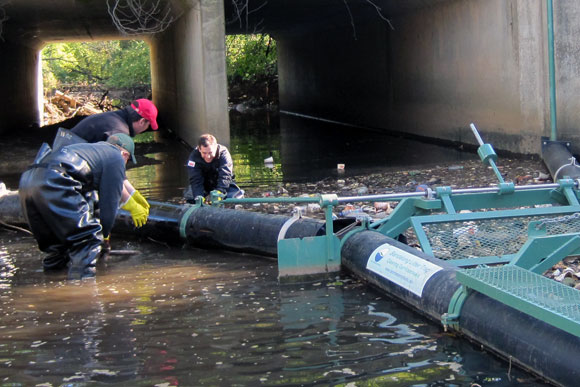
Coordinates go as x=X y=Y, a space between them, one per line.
x=138 y=212
x=140 y=199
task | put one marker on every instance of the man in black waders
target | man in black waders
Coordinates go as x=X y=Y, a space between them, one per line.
x=67 y=218
x=131 y=120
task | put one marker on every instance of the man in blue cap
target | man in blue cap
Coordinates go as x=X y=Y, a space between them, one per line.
x=56 y=194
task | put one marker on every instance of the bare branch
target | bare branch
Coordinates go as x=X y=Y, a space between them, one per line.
x=379 y=11
x=3 y=17
x=242 y=14
x=136 y=17
x=377 y=8
x=351 y=19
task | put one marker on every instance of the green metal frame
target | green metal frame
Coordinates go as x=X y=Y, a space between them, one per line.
x=321 y=254
x=528 y=292
x=301 y=256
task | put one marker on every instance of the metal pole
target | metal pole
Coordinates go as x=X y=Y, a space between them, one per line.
x=553 y=133
x=476 y=134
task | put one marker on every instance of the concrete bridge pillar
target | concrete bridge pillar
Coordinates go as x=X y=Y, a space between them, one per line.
x=19 y=96
x=437 y=70
x=188 y=79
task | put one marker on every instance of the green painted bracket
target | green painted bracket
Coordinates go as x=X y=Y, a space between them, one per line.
x=444 y=193
x=567 y=187
x=399 y=220
x=506 y=188
x=309 y=255
x=451 y=318
x=486 y=153
x=540 y=253
x=185 y=217
x=216 y=197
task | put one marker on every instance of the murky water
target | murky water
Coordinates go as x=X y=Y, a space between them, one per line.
x=185 y=316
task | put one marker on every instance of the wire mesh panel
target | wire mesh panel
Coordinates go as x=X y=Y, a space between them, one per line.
x=561 y=225
x=519 y=287
x=491 y=237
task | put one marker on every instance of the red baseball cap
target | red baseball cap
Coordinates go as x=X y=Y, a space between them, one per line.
x=147 y=110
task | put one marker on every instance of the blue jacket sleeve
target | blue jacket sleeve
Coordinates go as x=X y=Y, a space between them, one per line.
x=225 y=171
x=110 y=189
x=195 y=175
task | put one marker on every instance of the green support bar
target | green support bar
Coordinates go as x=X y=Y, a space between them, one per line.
x=444 y=193
x=540 y=253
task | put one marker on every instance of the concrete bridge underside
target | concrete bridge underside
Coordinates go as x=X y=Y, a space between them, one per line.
x=422 y=67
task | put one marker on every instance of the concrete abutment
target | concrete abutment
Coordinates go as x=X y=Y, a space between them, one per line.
x=444 y=64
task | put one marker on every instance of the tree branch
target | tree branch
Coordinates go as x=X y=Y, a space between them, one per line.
x=376 y=7
x=136 y=17
x=3 y=17
x=379 y=11
x=242 y=14
x=351 y=19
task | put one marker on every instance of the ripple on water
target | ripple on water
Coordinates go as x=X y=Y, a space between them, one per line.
x=171 y=316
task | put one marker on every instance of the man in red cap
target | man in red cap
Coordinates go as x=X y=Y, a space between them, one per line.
x=131 y=120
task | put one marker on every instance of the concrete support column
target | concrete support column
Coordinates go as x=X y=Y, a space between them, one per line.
x=188 y=79
x=18 y=99
x=473 y=61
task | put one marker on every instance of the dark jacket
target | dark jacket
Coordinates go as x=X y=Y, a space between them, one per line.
x=99 y=127
x=95 y=167
x=206 y=177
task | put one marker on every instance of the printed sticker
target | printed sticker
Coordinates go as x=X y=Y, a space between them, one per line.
x=403 y=268
x=191 y=163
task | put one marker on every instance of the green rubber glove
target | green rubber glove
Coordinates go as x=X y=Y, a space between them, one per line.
x=140 y=199
x=138 y=212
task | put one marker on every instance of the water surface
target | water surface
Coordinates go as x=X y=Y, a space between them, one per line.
x=184 y=316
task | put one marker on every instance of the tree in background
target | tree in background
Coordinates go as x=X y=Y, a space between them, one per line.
x=252 y=69
x=120 y=63
x=250 y=57
x=251 y=65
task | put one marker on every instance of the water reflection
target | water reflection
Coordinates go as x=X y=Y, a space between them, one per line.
x=194 y=317
x=312 y=149
x=7 y=269
x=301 y=150
x=253 y=141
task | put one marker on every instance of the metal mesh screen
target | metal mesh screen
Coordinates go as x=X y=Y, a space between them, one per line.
x=540 y=291
x=491 y=237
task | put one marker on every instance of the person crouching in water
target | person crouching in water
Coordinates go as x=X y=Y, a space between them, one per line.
x=210 y=167
x=57 y=195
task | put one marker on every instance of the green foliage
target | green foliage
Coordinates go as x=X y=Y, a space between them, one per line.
x=250 y=57
x=130 y=65
x=122 y=63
